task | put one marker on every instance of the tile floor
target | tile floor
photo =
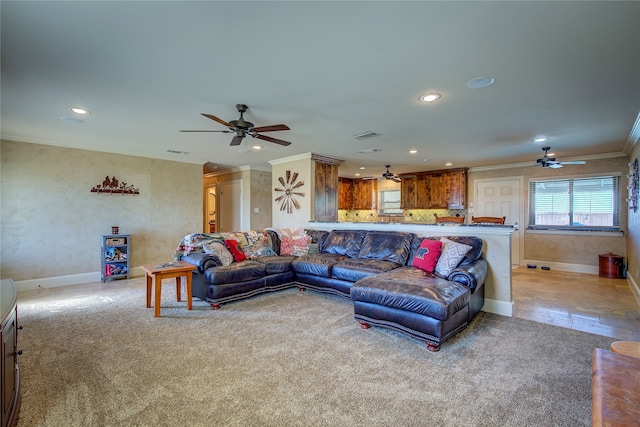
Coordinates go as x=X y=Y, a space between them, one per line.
x=585 y=302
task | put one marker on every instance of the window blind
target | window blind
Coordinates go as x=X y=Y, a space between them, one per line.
x=590 y=203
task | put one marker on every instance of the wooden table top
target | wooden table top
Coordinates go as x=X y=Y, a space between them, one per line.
x=615 y=389
x=628 y=348
x=167 y=267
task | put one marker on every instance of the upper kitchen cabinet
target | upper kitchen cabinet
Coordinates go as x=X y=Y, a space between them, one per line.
x=345 y=193
x=365 y=194
x=442 y=189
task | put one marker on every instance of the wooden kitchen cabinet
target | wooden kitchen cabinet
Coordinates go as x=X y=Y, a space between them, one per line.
x=345 y=193
x=409 y=192
x=365 y=194
x=326 y=192
x=438 y=191
x=442 y=189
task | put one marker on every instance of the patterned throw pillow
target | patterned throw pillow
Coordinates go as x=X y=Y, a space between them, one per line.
x=452 y=254
x=236 y=250
x=220 y=250
x=296 y=247
x=427 y=255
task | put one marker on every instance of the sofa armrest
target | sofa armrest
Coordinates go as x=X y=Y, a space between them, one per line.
x=471 y=275
x=202 y=261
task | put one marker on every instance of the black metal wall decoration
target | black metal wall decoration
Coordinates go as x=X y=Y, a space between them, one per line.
x=632 y=199
x=113 y=186
x=290 y=184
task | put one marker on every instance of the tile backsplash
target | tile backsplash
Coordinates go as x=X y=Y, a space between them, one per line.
x=424 y=216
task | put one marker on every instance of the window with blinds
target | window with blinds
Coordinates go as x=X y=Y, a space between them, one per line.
x=590 y=203
x=389 y=202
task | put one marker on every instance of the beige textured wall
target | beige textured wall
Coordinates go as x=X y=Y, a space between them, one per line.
x=51 y=223
x=299 y=217
x=570 y=249
x=261 y=200
x=633 y=233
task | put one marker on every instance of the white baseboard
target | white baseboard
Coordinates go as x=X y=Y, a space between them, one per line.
x=73 y=279
x=502 y=308
x=561 y=266
x=634 y=288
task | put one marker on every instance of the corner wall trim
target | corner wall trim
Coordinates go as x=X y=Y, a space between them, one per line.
x=575 y=268
x=502 y=308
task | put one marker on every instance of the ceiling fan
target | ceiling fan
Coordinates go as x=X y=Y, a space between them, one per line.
x=550 y=162
x=386 y=175
x=242 y=128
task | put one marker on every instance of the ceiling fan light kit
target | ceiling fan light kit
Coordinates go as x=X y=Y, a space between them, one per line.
x=242 y=128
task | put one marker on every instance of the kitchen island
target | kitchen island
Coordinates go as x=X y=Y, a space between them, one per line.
x=497 y=251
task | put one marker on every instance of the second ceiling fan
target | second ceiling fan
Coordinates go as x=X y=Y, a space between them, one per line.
x=242 y=128
x=550 y=162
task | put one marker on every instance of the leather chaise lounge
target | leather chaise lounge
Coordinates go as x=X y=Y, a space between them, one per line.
x=373 y=268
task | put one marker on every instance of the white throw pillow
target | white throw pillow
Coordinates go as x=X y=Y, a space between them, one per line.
x=220 y=250
x=451 y=255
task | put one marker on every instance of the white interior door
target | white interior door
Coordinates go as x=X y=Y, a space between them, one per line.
x=229 y=217
x=503 y=198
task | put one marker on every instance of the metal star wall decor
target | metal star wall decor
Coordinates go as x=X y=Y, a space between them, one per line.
x=288 y=197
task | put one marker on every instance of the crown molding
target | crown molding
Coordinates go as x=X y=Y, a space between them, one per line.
x=634 y=137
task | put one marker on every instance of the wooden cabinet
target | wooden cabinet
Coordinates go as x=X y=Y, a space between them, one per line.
x=365 y=194
x=438 y=185
x=345 y=193
x=409 y=192
x=457 y=189
x=443 y=189
x=326 y=192
x=10 y=370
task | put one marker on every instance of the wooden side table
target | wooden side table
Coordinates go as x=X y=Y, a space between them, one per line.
x=628 y=348
x=156 y=272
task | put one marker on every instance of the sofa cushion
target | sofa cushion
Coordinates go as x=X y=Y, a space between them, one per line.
x=413 y=290
x=427 y=255
x=316 y=264
x=236 y=272
x=354 y=269
x=276 y=264
x=452 y=254
x=344 y=242
x=386 y=246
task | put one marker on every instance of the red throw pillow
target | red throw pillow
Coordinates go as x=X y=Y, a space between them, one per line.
x=427 y=255
x=236 y=250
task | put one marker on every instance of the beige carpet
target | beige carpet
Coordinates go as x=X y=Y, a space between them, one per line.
x=289 y=359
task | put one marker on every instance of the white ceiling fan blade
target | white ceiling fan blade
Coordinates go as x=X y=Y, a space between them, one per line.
x=576 y=162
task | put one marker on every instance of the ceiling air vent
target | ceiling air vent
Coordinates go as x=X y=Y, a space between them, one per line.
x=369 y=150
x=365 y=135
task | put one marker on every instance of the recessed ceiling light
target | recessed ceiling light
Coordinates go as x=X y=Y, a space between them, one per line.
x=357 y=174
x=448 y=164
x=414 y=151
x=362 y=168
x=425 y=160
x=479 y=82
x=429 y=97
x=541 y=139
x=79 y=110
x=257 y=147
